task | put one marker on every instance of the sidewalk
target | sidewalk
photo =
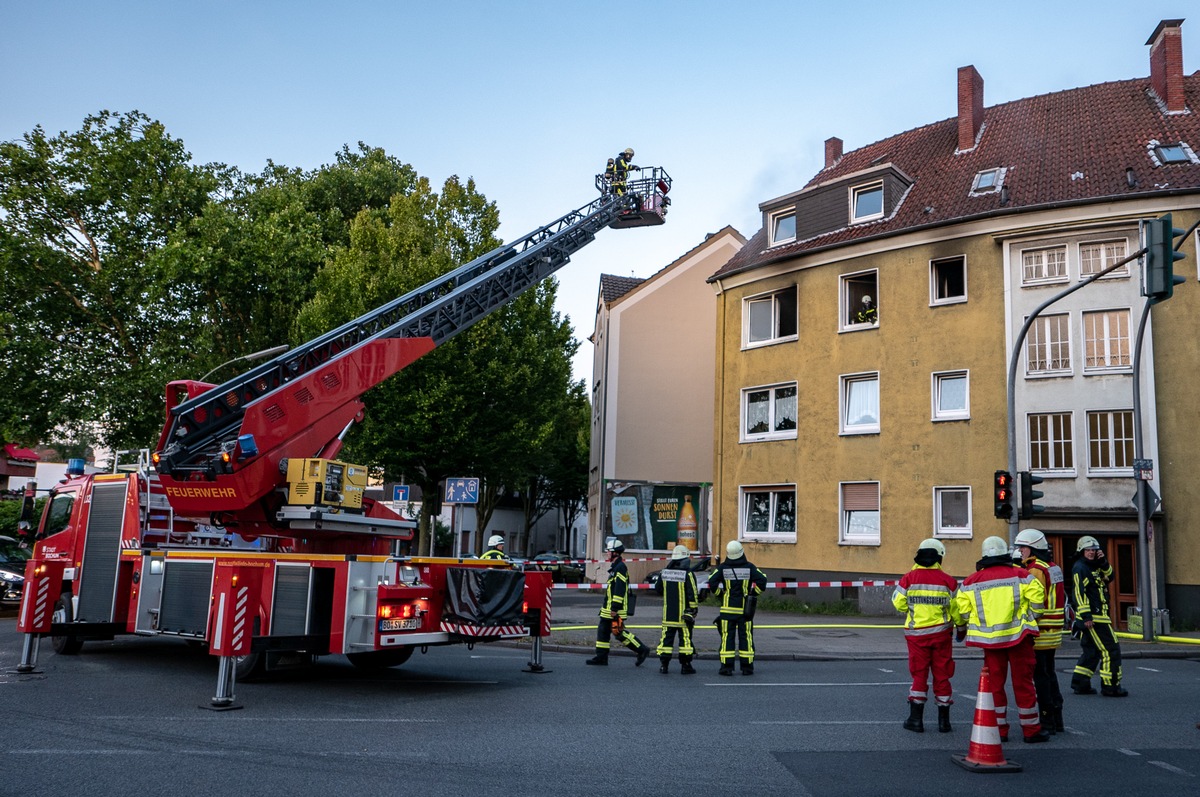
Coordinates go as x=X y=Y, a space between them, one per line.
x=780 y=636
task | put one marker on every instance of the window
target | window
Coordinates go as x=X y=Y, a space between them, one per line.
x=1110 y=441
x=952 y=511
x=860 y=404
x=769 y=412
x=860 y=297
x=1095 y=256
x=948 y=281
x=1048 y=345
x=769 y=513
x=1050 y=442
x=1106 y=337
x=866 y=202
x=951 y=396
x=1044 y=265
x=860 y=513
x=783 y=227
x=989 y=181
x=59 y=515
x=1172 y=153
x=771 y=318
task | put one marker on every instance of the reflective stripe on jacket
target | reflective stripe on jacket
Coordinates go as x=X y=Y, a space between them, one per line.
x=996 y=603
x=493 y=553
x=677 y=585
x=1051 y=612
x=616 y=591
x=1089 y=591
x=926 y=595
x=735 y=580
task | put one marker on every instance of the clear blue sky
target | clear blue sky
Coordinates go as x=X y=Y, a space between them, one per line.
x=735 y=100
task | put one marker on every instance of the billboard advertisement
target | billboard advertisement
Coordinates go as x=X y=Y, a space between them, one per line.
x=657 y=517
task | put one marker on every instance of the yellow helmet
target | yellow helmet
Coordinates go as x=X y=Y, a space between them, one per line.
x=629 y=152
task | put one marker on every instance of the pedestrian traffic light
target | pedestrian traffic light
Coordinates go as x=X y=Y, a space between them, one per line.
x=1029 y=495
x=1158 y=277
x=1003 y=493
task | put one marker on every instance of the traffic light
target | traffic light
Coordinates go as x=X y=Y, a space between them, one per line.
x=1003 y=493
x=1029 y=495
x=1158 y=278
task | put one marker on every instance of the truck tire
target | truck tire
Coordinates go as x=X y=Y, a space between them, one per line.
x=254 y=664
x=65 y=645
x=381 y=659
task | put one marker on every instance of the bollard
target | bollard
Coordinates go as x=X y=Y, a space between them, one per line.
x=43 y=585
x=237 y=587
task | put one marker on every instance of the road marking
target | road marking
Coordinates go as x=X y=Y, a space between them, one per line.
x=1148 y=669
x=879 y=683
x=822 y=722
x=1127 y=751
x=243 y=718
x=887 y=671
x=1169 y=768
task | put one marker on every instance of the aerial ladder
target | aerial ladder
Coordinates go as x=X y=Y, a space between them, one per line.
x=256 y=455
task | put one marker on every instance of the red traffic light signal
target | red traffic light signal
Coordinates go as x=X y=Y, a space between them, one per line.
x=1002 y=492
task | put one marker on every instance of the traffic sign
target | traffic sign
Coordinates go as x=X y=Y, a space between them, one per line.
x=462 y=490
x=399 y=492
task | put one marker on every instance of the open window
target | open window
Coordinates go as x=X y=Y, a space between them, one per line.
x=860 y=297
x=948 y=280
x=770 y=318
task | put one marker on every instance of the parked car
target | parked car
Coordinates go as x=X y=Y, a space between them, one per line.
x=12 y=571
x=560 y=566
x=701 y=565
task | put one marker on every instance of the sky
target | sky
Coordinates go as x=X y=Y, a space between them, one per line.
x=734 y=100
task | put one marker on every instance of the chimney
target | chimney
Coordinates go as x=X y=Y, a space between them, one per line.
x=970 y=107
x=1166 y=64
x=833 y=151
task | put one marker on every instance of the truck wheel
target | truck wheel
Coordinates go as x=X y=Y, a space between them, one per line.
x=253 y=664
x=381 y=659
x=64 y=645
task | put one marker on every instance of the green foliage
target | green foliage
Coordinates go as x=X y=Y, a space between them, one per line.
x=10 y=515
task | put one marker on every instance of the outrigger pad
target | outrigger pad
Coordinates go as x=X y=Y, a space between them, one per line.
x=484 y=596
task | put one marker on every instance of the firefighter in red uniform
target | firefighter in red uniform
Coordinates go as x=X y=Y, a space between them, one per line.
x=1034 y=553
x=615 y=610
x=996 y=603
x=926 y=596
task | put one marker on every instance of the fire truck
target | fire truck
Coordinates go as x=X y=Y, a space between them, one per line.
x=242 y=530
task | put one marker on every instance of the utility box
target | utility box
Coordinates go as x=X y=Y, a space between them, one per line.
x=326 y=482
x=1161 y=621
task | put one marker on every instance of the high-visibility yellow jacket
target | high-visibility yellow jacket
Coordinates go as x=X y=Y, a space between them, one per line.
x=926 y=596
x=493 y=553
x=997 y=604
x=1051 y=612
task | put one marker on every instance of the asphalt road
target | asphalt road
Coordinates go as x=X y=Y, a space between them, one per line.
x=124 y=717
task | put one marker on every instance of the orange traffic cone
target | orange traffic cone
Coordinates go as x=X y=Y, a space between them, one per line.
x=985 y=753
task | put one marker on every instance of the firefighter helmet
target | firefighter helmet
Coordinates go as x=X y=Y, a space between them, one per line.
x=680 y=552
x=1032 y=538
x=495 y=540
x=735 y=550
x=932 y=545
x=614 y=546
x=995 y=546
x=628 y=152
x=1086 y=542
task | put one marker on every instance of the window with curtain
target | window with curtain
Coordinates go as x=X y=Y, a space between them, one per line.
x=860 y=404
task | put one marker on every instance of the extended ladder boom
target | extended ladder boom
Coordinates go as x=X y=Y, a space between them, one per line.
x=205 y=436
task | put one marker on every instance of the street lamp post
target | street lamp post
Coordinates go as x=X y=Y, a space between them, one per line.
x=258 y=355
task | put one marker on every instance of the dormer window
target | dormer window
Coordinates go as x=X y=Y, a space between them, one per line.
x=988 y=181
x=866 y=202
x=783 y=227
x=1172 y=153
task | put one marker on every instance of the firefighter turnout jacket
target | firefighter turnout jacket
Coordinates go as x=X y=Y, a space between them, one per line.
x=1089 y=590
x=997 y=603
x=616 y=592
x=677 y=585
x=494 y=553
x=1051 y=612
x=926 y=596
x=736 y=581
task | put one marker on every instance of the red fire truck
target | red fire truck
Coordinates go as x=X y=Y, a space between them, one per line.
x=243 y=531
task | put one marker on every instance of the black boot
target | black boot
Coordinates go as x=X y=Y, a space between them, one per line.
x=726 y=669
x=1058 y=721
x=600 y=659
x=642 y=654
x=747 y=668
x=944 y=719
x=916 y=718
x=685 y=665
x=1037 y=738
x=1047 y=718
x=1115 y=690
x=1081 y=685
x=665 y=665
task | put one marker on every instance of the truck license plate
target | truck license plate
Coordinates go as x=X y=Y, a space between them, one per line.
x=397 y=624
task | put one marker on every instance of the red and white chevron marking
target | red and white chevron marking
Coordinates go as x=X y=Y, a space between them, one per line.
x=41 y=602
x=770 y=585
x=241 y=604
x=462 y=629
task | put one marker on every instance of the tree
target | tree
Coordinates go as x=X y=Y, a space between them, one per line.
x=92 y=325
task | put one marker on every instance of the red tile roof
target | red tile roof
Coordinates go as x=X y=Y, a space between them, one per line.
x=613 y=287
x=1068 y=147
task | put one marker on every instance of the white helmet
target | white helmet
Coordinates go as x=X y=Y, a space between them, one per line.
x=614 y=545
x=866 y=300
x=1086 y=542
x=1032 y=538
x=680 y=552
x=735 y=550
x=932 y=545
x=495 y=540
x=995 y=546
